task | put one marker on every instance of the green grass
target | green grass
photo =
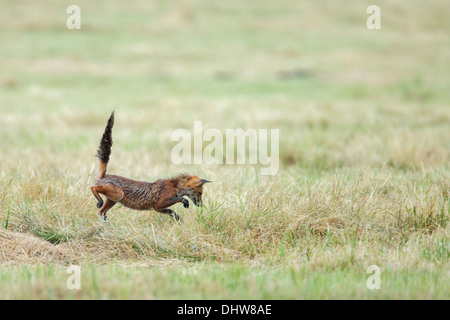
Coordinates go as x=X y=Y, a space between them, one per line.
x=364 y=149
x=204 y=281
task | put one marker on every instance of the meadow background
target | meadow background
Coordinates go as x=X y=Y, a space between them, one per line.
x=364 y=122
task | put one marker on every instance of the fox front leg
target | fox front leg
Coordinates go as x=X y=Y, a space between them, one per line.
x=170 y=212
x=161 y=204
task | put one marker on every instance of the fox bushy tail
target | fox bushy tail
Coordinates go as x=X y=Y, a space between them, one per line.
x=104 y=149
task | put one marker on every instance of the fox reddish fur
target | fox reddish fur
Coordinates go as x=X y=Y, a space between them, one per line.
x=158 y=195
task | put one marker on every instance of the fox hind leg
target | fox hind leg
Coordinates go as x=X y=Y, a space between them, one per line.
x=97 y=196
x=112 y=193
x=108 y=205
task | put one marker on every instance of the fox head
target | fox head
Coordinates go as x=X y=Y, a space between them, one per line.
x=192 y=186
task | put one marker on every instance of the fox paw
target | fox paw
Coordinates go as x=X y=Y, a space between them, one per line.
x=100 y=204
x=185 y=203
x=175 y=216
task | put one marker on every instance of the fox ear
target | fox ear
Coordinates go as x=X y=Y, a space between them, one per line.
x=204 y=181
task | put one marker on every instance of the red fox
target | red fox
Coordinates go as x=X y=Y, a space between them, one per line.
x=158 y=195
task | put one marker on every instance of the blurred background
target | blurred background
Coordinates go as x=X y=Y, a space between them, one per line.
x=363 y=118
x=343 y=96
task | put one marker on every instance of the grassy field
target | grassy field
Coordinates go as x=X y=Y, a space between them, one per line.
x=364 y=122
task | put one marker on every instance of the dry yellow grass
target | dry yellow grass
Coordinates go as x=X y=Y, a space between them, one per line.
x=19 y=248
